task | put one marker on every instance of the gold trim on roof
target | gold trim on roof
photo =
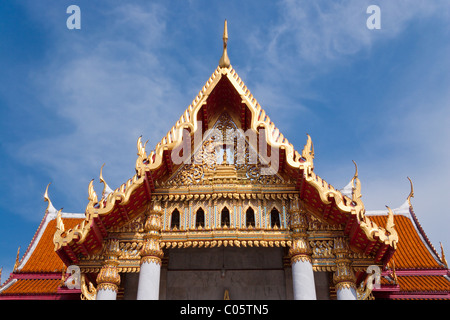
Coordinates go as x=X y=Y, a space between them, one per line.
x=188 y=121
x=303 y=162
x=224 y=60
x=50 y=207
x=411 y=194
x=16 y=264
x=442 y=257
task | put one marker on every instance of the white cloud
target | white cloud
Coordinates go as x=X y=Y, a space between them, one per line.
x=108 y=88
x=112 y=85
x=312 y=37
x=318 y=32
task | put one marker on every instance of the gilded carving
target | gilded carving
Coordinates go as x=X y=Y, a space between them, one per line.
x=344 y=276
x=148 y=162
x=300 y=249
x=109 y=278
x=194 y=185
x=88 y=292
x=151 y=251
x=223 y=158
x=322 y=249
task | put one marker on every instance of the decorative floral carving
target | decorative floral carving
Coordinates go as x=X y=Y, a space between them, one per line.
x=224 y=156
x=109 y=278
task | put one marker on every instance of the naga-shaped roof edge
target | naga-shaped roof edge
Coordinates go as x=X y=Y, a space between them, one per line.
x=303 y=162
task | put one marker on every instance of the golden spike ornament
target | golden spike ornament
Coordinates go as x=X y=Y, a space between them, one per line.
x=47 y=199
x=92 y=196
x=224 y=61
x=16 y=265
x=444 y=261
x=411 y=193
x=59 y=223
x=356 y=186
x=308 y=150
x=141 y=149
x=392 y=233
x=106 y=189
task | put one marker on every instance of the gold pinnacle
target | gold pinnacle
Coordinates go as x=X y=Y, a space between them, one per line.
x=224 y=60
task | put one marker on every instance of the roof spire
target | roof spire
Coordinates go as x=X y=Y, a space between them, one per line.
x=50 y=207
x=106 y=189
x=17 y=260
x=443 y=255
x=224 y=60
x=411 y=193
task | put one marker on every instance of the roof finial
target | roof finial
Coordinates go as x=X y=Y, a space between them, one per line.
x=50 y=207
x=106 y=189
x=411 y=193
x=224 y=60
x=17 y=260
x=443 y=256
x=356 y=185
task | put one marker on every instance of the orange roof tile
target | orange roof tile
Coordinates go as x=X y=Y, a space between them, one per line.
x=412 y=252
x=34 y=286
x=43 y=258
x=424 y=283
x=40 y=260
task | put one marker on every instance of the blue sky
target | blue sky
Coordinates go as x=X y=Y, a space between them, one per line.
x=71 y=100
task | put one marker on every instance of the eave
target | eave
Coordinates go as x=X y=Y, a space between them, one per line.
x=131 y=199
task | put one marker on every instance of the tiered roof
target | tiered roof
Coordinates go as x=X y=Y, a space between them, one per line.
x=416 y=270
x=62 y=238
x=39 y=273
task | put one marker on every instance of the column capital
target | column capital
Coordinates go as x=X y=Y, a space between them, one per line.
x=344 y=277
x=300 y=249
x=151 y=251
x=109 y=277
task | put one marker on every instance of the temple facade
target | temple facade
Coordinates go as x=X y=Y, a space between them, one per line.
x=225 y=207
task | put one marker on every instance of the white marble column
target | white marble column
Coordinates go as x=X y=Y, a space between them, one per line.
x=151 y=254
x=344 y=278
x=300 y=252
x=108 y=279
x=106 y=294
x=346 y=292
x=149 y=278
x=303 y=279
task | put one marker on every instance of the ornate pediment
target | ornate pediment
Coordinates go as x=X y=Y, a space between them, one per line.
x=226 y=155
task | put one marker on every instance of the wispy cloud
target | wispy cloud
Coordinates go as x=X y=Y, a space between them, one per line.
x=114 y=81
x=322 y=31
x=107 y=88
x=408 y=135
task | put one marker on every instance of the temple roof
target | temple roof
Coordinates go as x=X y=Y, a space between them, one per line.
x=61 y=238
x=414 y=251
x=416 y=270
x=39 y=271
x=225 y=90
